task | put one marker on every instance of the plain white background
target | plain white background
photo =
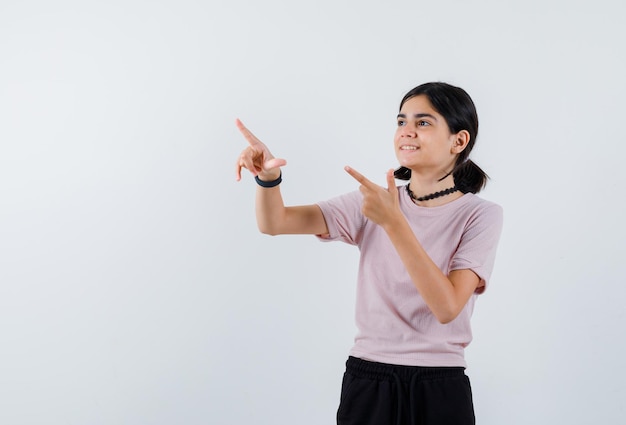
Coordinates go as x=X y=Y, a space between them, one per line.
x=134 y=285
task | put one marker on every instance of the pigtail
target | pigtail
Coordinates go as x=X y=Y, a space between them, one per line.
x=402 y=173
x=469 y=177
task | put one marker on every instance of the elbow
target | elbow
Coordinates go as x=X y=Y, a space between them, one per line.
x=445 y=319
x=271 y=224
x=446 y=315
x=267 y=230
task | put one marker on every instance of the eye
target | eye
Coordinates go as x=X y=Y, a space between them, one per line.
x=401 y=123
x=422 y=123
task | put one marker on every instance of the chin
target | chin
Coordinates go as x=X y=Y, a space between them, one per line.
x=408 y=164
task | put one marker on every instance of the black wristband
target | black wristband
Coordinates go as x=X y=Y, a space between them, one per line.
x=272 y=183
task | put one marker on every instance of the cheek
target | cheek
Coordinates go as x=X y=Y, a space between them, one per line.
x=396 y=138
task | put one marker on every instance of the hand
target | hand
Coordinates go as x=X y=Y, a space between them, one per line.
x=379 y=204
x=257 y=158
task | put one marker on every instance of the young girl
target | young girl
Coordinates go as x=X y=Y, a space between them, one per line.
x=427 y=251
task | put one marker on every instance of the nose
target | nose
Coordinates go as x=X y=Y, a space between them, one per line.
x=408 y=131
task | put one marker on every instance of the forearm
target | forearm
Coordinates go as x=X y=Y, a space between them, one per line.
x=438 y=291
x=270 y=209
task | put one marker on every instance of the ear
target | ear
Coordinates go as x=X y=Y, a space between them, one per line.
x=461 y=140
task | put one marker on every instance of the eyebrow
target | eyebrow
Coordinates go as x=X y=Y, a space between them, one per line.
x=419 y=116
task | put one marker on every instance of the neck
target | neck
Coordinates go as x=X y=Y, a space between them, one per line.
x=423 y=184
x=429 y=191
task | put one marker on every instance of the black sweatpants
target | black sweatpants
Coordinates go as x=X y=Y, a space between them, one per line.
x=382 y=394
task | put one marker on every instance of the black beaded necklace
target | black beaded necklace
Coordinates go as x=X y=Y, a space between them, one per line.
x=430 y=196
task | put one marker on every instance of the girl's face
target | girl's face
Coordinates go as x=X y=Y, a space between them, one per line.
x=423 y=140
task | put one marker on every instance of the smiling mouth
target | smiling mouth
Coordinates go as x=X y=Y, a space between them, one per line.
x=408 y=148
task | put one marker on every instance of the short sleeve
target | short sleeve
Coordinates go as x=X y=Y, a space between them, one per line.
x=478 y=245
x=344 y=218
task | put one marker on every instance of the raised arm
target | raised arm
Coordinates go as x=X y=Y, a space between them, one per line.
x=273 y=217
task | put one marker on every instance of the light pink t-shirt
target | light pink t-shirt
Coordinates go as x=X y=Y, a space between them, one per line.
x=394 y=323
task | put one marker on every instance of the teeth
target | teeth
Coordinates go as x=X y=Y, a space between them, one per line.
x=408 y=148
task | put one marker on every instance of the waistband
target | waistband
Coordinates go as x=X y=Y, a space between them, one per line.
x=389 y=372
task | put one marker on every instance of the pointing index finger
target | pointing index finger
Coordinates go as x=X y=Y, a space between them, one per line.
x=251 y=138
x=359 y=177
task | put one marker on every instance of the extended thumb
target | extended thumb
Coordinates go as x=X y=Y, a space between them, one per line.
x=391 y=182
